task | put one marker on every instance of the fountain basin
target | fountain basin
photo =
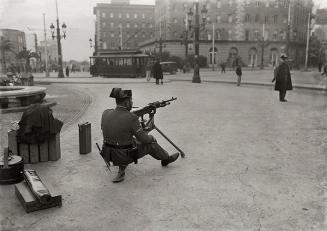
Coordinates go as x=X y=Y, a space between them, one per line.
x=24 y=95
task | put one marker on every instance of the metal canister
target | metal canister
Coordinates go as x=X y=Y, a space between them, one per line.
x=84 y=138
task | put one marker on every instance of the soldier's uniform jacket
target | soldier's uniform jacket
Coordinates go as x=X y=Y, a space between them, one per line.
x=119 y=127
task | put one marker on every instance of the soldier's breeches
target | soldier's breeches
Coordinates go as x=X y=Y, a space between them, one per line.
x=153 y=149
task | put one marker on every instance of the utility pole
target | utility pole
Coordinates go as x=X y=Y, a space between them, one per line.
x=121 y=36
x=307 y=45
x=45 y=48
x=196 y=74
x=288 y=28
x=213 y=47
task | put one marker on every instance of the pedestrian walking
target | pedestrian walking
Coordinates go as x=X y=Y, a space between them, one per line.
x=67 y=71
x=157 y=72
x=282 y=76
x=124 y=139
x=148 y=71
x=223 y=67
x=319 y=66
x=324 y=70
x=239 y=74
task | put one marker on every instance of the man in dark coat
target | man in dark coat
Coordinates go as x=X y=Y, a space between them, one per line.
x=124 y=140
x=67 y=71
x=157 y=72
x=282 y=75
x=239 y=74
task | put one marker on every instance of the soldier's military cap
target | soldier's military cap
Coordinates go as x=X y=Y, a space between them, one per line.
x=118 y=93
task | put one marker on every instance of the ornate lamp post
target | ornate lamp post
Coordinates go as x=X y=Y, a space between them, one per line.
x=59 y=36
x=196 y=28
x=93 y=45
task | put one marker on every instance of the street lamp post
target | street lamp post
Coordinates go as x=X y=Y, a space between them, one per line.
x=196 y=27
x=59 y=36
x=184 y=41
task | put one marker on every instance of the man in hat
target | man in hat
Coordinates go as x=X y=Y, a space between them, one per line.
x=282 y=75
x=124 y=140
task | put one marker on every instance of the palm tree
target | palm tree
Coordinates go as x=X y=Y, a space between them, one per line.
x=26 y=55
x=5 y=46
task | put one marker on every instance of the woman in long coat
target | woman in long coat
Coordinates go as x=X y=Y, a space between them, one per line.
x=282 y=75
x=157 y=72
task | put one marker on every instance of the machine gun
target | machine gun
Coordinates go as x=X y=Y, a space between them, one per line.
x=151 y=110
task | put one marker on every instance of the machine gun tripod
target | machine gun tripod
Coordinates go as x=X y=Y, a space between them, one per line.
x=149 y=125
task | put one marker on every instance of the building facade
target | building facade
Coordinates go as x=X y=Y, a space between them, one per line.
x=18 y=42
x=251 y=30
x=121 y=25
x=52 y=52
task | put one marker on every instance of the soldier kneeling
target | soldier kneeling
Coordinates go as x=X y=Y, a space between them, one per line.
x=124 y=140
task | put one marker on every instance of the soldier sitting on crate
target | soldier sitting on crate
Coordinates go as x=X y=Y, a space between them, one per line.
x=124 y=140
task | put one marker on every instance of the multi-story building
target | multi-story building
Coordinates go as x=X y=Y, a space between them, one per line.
x=52 y=52
x=121 y=25
x=17 y=41
x=238 y=28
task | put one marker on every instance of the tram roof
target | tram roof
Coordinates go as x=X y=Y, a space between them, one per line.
x=120 y=54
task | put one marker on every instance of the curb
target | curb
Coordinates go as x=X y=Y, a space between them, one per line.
x=298 y=86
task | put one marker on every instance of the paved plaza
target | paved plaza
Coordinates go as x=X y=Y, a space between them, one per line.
x=252 y=162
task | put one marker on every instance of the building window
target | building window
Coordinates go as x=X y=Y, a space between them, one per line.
x=135 y=35
x=257 y=3
x=119 y=15
x=112 y=35
x=103 y=15
x=256 y=19
x=266 y=19
x=135 y=15
x=230 y=18
x=267 y=3
x=127 y=25
x=175 y=20
x=104 y=45
x=143 y=15
x=150 y=26
x=276 y=3
x=143 y=35
x=111 y=15
x=256 y=35
x=275 y=18
x=247 y=35
x=143 y=25
x=230 y=3
x=103 y=24
x=111 y=24
x=275 y=34
x=230 y=37
x=127 y=15
x=247 y=18
x=135 y=25
x=218 y=4
x=218 y=18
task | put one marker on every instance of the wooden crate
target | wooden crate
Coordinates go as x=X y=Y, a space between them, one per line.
x=30 y=203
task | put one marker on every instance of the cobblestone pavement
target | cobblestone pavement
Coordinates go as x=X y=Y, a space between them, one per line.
x=252 y=163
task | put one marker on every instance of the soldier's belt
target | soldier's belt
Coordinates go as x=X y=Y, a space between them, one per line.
x=128 y=146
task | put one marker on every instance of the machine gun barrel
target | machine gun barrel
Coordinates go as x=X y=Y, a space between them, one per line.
x=151 y=107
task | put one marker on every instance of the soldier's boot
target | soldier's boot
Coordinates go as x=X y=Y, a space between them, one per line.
x=171 y=159
x=120 y=175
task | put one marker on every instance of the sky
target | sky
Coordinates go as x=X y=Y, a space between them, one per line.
x=27 y=15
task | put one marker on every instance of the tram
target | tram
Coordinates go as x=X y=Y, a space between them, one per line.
x=119 y=64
